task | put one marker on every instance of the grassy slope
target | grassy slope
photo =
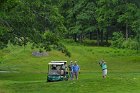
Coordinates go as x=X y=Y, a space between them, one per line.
x=123 y=68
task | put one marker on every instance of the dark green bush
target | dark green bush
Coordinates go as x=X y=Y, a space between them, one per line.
x=117 y=40
x=120 y=42
x=130 y=44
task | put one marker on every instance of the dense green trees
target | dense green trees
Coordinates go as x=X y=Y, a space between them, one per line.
x=44 y=22
x=35 y=21
x=99 y=19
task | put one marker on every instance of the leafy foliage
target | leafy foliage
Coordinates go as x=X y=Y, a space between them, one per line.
x=101 y=18
x=117 y=39
x=28 y=21
x=130 y=44
x=24 y=21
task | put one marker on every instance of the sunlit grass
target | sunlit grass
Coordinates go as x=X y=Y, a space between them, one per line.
x=31 y=72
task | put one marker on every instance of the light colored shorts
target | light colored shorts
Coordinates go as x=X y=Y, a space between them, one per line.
x=104 y=72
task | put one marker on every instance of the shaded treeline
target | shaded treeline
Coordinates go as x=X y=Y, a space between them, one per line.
x=45 y=22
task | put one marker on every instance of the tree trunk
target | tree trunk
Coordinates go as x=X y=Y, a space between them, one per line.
x=126 y=33
x=75 y=37
x=90 y=36
x=98 y=42
x=101 y=37
x=80 y=38
x=107 y=36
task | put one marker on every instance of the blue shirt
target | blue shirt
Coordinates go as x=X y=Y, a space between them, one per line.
x=104 y=66
x=75 y=68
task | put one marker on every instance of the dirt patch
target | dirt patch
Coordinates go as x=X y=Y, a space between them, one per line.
x=38 y=54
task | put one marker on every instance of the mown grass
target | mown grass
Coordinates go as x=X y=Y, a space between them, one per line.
x=28 y=73
x=87 y=83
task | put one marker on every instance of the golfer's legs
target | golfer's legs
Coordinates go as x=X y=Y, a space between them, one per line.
x=71 y=75
x=76 y=75
x=104 y=73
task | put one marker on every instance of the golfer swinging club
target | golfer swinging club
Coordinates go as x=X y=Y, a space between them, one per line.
x=104 y=68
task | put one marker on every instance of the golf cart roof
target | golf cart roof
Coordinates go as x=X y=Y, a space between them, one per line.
x=56 y=63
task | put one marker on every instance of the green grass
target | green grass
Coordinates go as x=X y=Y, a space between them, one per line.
x=30 y=72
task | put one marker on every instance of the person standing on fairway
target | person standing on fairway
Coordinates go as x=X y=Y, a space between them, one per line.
x=71 y=70
x=76 y=70
x=104 y=68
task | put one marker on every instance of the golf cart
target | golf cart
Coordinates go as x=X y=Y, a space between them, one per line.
x=57 y=71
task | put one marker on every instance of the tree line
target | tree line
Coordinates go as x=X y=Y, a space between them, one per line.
x=102 y=20
x=45 y=22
